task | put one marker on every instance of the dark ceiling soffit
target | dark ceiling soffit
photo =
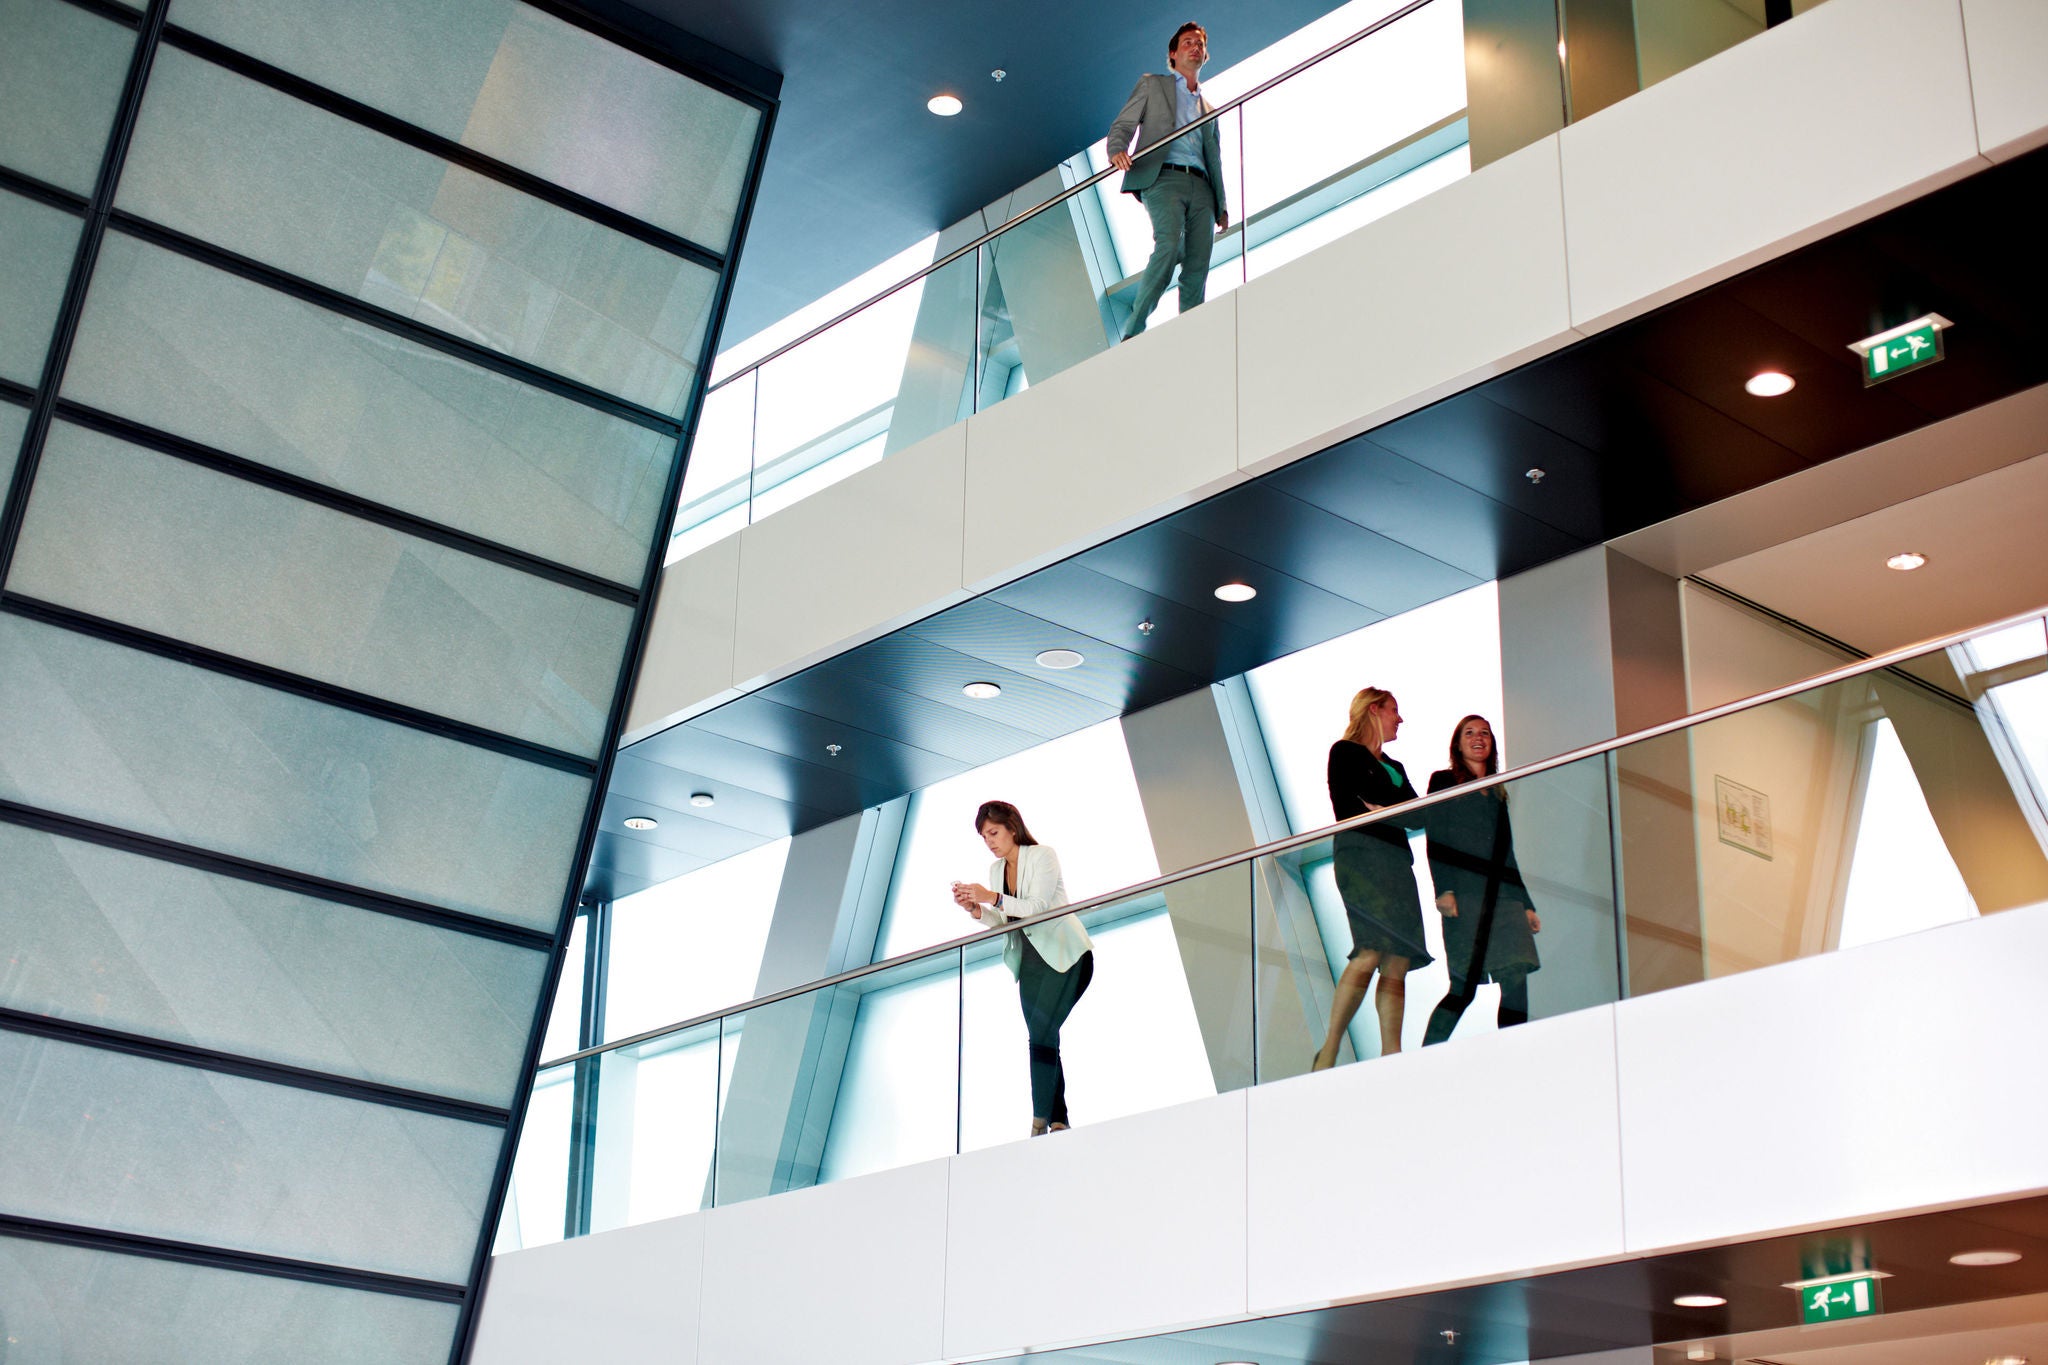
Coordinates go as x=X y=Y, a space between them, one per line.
x=1628 y=1303
x=1441 y=497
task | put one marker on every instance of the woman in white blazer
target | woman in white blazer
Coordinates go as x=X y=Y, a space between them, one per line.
x=1053 y=962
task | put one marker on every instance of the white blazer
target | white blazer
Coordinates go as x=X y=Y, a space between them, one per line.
x=1040 y=888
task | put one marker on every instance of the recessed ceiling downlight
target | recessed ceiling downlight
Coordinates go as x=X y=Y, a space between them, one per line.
x=641 y=822
x=1236 y=592
x=1906 y=561
x=945 y=106
x=1700 y=1301
x=1061 y=658
x=982 y=691
x=1769 y=384
x=1984 y=1258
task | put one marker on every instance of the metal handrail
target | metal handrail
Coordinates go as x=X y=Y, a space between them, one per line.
x=1875 y=664
x=1218 y=112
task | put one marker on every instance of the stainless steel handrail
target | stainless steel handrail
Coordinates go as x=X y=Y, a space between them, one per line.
x=1218 y=112
x=1875 y=664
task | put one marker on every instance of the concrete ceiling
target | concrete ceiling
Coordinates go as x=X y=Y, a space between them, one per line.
x=1985 y=560
x=857 y=170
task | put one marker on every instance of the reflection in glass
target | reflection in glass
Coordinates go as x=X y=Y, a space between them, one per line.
x=106 y=1139
x=719 y=478
x=61 y=69
x=1394 y=102
x=692 y=944
x=192 y=351
x=113 y=939
x=793 y=1067
x=104 y=733
x=130 y=535
x=40 y=243
x=247 y=168
x=523 y=86
x=657 y=1122
x=187 y=1314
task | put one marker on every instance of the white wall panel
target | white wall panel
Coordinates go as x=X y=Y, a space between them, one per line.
x=1764 y=148
x=627 y=1298
x=2008 y=53
x=1104 y=446
x=1464 y=284
x=853 y=1273
x=1883 y=1079
x=852 y=559
x=1111 y=1229
x=1481 y=1158
x=688 y=663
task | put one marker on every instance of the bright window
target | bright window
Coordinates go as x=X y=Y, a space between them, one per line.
x=691 y=945
x=1076 y=793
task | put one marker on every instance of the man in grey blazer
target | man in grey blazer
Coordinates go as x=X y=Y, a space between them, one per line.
x=1181 y=184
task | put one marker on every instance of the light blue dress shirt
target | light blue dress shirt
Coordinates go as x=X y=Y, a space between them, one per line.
x=1185 y=150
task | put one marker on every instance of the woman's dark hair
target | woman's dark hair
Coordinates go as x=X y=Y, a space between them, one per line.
x=1173 y=44
x=1458 y=768
x=1004 y=814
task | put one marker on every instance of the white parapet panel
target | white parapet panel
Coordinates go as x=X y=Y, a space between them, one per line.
x=1105 y=446
x=853 y=1273
x=687 y=666
x=2008 y=53
x=1483 y=1158
x=1455 y=288
x=1899 y=1076
x=1118 y=1229
x=629 y=1297
x=1852 y=108
x=852 y=561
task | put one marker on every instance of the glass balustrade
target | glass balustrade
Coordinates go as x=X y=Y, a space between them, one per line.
x=1376 y=117
x=1891 y=797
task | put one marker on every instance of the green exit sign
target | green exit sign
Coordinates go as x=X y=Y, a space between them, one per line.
x=1836 y=1300
x=1912 y=346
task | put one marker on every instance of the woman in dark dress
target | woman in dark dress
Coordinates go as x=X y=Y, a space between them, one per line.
x=1490 y=926
x=1375 y=874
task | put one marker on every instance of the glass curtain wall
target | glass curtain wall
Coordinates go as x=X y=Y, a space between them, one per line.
x=344 y=357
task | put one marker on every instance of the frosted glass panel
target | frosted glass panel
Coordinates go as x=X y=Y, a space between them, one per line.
x=111 y=938
x=138 y=537
x=56 y=1301
x=61 y=70
x=204 y=355
x=110 y=734
x=264 y=175
x=522 y=86
x=34 y=266
x=109 y=1140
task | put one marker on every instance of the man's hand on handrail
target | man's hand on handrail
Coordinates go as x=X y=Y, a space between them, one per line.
x=1120 y=160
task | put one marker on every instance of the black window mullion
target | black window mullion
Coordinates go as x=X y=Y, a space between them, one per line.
x=456 y=153
x=221 y=1258
x=369 y=314
x=313 y=689
x=98 y=210
x=56 y=196
x=271 y=875
x=339 y=500
x=107 y=9
x=250 y=1068
x=588 y=1076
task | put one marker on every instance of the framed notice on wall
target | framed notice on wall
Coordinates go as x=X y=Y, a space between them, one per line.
x=1745 y=816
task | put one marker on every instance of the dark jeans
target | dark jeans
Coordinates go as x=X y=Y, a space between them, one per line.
x=1514 y=1005
x=1049 y=997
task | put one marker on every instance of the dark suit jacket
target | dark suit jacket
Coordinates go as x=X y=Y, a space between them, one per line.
x=1150 y=114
